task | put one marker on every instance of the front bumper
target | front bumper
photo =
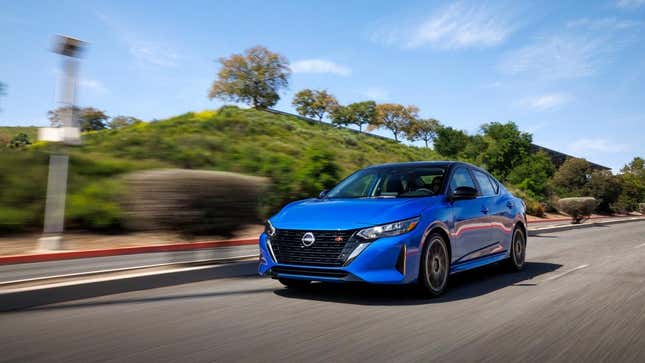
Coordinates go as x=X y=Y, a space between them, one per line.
x=391 y=260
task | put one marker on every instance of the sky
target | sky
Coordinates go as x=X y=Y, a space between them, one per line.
x=572 y=73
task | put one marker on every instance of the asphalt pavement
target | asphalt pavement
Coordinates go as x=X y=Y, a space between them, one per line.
x=22 y=271
x=580 y=298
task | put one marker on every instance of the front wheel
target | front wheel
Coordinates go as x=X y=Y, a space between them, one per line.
x=294 y=284
x=435 y=266
x=517 y=256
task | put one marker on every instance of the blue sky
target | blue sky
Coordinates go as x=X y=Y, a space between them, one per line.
x=570 y=72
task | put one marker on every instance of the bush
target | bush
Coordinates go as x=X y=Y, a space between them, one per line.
x=96 y=206
x=191 y=201
x=533 y=206
x=578 y=208
x=641 y=207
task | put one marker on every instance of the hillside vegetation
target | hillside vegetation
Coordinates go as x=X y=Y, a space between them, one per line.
x=300 y=159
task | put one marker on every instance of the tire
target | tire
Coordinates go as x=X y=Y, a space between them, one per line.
x=517 y=255
x=434 y=266
x=294 y=284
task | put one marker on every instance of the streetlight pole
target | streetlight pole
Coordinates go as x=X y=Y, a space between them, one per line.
x=69 y=134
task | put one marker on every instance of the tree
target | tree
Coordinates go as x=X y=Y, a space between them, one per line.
x=605 y=188
x=314 y=103
x=572 y=178
x=423 y=129
x=450 y=142
x=89 y=118
x=58 y=116
x=92 y=119
x=505 y=148
x=254 y=77
x=123 y=121
x=358 y=113
x=632 y=183
x=19 y=141
x=396 y=118
x=533 y=175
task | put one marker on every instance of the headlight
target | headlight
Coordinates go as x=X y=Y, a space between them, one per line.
x=388 y=230
x=269 y=229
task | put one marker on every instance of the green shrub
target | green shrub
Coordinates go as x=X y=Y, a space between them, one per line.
x=96 y=206
x=641 y=207
x=533 y=206
x=578 y=208
x=191 y=201
x=318 y=170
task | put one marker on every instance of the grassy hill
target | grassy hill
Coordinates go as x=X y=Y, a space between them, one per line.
x=299 y=157
x=8 y=132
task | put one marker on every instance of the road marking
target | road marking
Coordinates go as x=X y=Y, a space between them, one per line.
x=211 y=261
x=640 y=245
x=566 y=272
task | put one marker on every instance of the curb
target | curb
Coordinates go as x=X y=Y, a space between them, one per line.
x=537 y=232
x=564 y=219
x=68 y=255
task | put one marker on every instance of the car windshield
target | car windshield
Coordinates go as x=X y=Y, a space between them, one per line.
x=391 y=182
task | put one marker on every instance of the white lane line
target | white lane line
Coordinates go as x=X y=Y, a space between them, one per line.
x=566 y=272
x=640 y=245
x=215 y=262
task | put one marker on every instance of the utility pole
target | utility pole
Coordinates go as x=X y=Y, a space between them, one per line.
x=68 y=134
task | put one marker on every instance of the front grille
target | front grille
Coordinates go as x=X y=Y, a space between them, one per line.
x=330 y=249
x=308 y=271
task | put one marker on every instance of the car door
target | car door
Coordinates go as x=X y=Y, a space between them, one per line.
x=471 y=227
x=501 y=214
x=489 y=202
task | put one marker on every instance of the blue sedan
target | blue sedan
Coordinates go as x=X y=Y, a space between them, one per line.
x=402 y=223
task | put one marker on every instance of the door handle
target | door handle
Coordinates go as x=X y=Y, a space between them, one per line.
x=485 y=210
x=509 y=204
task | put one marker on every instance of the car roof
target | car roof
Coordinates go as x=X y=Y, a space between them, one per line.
x=439 y=163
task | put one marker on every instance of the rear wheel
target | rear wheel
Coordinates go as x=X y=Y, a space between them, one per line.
x=517 y=256
x=435 y=266
x=294 y=284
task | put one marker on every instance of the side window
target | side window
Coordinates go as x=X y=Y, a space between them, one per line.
x=484 y=183
x=495 y=184
x=461 y=178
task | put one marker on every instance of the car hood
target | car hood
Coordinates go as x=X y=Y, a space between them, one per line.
x=332 y=214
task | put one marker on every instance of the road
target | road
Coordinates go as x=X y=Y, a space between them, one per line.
x=84 y=265
x=580 y=298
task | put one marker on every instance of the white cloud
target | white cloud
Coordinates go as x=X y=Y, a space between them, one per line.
x=556 y=57
x=153 y=53
x=591 y=145
x=92 y=85
x=320 y=66
x=602 y=24
x=376 y=93
x=578 y=50
x=630 y=4
x=545 y=102
x=452 y=27
x=144 y=51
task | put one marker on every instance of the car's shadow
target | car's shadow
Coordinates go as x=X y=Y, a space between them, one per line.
x=464 y=285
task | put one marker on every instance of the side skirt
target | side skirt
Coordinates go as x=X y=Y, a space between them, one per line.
x=478 y=262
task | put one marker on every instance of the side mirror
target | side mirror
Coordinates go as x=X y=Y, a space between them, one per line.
x=323 y=194
x=463 y=193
